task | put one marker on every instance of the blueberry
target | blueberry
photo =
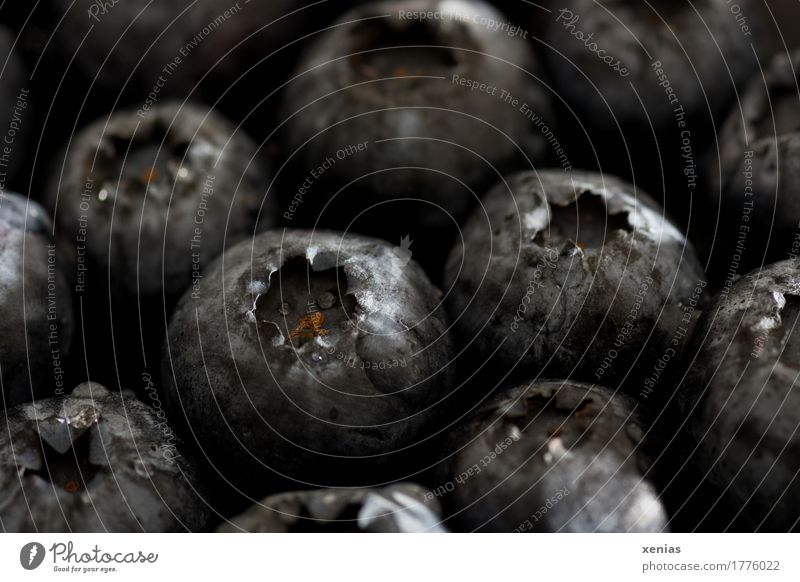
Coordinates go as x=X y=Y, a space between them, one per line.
x=36 y=320
x=633 y=36
x=399 y=508
x=574 y=275
x=150 y=184
x=95 y=461
x=742 y=402
x=644 y=84
x=755 y=184
x=141 y=50
x=434 y=107
x=275 y=386
x=146 y=202
x=551 y=456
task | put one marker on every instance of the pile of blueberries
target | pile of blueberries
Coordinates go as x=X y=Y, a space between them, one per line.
x=399 y=266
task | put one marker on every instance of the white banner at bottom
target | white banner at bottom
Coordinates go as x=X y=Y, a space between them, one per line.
x=389 y=557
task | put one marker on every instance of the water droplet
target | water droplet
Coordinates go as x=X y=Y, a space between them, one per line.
x=555 y=450
x=317 y=357
x=181 y=173
x=102 y=195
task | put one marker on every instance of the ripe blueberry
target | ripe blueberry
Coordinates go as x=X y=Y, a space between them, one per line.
x=742 y=402
x=145 y=203
x=436 y=108
x=140 y=50
x=574 y=275
x=95 y=461
x=644 y=84
x=551 y=456
x=312 y=356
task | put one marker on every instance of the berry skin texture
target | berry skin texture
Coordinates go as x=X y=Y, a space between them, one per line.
x=551 y=456
x=645 y=84
x=638 y=34
x=355 y=86
x=756 y=184
x=399 y=508
x=94 y=461
x=146 y=192
x=36 y=319
x=742 y=401
x=200 y=48
x=573 y=275
x=310 y=356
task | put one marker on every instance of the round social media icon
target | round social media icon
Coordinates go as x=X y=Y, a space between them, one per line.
x=31 y=555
